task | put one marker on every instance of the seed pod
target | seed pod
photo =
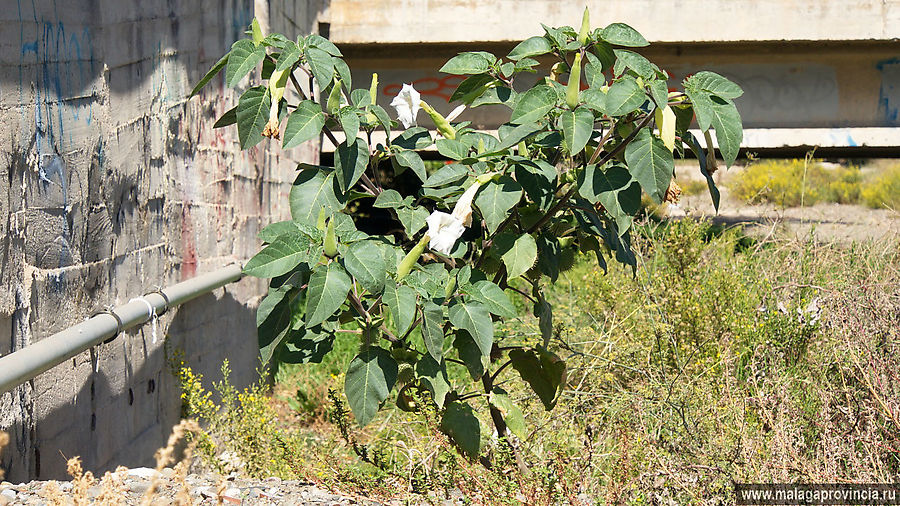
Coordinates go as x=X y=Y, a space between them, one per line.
x=574 y=83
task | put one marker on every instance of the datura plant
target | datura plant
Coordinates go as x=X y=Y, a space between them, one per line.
x=563 y=175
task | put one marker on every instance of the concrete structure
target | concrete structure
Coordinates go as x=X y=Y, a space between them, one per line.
x=815 y=72
x=112 y=182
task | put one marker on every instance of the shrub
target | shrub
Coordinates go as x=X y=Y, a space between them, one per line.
x=426 y=304
x=791 y=183
x=883 y=190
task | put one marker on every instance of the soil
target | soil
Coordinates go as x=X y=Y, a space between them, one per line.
x=827 y=222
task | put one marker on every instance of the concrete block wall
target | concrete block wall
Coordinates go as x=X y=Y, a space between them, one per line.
x=113 y=182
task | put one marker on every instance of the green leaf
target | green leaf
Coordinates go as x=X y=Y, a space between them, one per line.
x=651 y=164
x=343 y=71
x=544 y=371
x=411 y=160
x=495 y=199
x=314 y=190
x=450 y=173
x=369 y=380
x=433 y=375
x=452 y=149
x=723 y=116
x=306 y=346
x=621 y=34
x=593 y=71
x=605 y=53
x=659 y=90
x=349 y=122
x=518 y=254
x=538 y=181
x=461 y=424
x=534 y=104
x=476 y=320
x=593 y=181
x=467 y=63
x=691 y=141
x=383 y=119
x=326 y=292
x=360 y=98
x=304 y=124
x=321 y=64
x=577 y=127
x=273 y=230
x=498 y=95
x=623 y=97
x=365 y=263
x=513 y=136
x=635 y=62
x=494 y=299
x=252 y=115
x=470 y=354
x=472 y=87
x=388 y=199
x=350 y=162
x=414 y=138
x=412 y=219
x=216 y=68
x=401 y=300
x=433 y=331
x=512 y=415
x=244 y=57
x=532 y=46
x=279 y=257
x=548 y=255
x=290 y=54
x=615 y=189
x=228 y=118
x=275 y=322
x=714 y=84
x=324 y=44
x=544 y=312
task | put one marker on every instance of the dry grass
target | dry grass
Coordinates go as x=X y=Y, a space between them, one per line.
x=4 y=440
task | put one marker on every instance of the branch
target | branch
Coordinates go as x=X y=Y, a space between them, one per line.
x=544 y=219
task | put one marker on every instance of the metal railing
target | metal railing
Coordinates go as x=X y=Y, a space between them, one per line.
x=23 y=365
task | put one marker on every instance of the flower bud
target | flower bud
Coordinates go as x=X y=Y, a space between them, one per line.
x=334 y=98
x=411 y=258
x=331 y=250
x=443 y=126
x=574 y=83
x=585 y=27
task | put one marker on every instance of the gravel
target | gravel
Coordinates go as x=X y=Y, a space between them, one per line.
x=203 y=489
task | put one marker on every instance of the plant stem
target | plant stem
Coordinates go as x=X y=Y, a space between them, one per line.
x=562 y=202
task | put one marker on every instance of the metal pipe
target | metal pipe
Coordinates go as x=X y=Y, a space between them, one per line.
x=24 y=364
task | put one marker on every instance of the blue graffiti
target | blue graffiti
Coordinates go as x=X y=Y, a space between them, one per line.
x=889 y=94
x=63 y=63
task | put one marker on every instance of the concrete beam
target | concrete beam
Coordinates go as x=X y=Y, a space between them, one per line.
x=416 y=21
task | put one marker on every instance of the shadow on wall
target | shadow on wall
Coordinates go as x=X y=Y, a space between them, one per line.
x=125 y=411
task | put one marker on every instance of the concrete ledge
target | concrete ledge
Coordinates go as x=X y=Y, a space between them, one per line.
x=800 y=139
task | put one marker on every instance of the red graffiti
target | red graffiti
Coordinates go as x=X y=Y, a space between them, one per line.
x=438 y=87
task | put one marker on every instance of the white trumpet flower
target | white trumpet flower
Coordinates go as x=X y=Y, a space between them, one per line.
x=407 y=105
x=445 y=229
